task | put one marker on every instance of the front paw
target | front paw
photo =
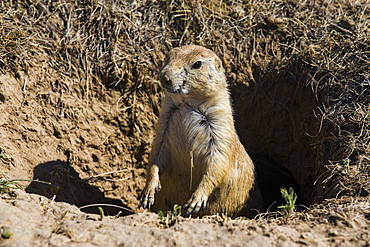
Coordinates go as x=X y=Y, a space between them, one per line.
x=196 y=202
x=147 y=196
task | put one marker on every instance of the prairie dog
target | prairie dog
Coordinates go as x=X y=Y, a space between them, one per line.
x=197 y=160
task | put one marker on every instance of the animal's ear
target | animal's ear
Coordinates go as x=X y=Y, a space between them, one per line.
x=218 y=65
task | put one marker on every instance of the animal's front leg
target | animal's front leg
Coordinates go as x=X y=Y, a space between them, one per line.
x=151 y=187
x=200 y=197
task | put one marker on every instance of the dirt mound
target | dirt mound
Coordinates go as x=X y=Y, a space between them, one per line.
x=47 y=133
x=59 y=224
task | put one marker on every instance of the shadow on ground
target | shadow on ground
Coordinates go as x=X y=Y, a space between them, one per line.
x=68 y=187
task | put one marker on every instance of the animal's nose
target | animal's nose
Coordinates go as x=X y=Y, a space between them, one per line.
x=165 y=80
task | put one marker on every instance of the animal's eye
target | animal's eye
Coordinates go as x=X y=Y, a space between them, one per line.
x=197 y=65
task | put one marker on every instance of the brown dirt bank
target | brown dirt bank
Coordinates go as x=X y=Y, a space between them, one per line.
x=34 y=220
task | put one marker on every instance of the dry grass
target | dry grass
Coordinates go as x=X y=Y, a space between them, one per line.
x=122 y=44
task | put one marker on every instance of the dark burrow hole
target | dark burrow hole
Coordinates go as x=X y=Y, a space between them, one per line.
x=275 y=120
x=271 y=177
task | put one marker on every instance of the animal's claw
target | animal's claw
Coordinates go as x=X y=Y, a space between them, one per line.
x=195 y=204
x=146 y=200
x=146 y=197
x=158 y=188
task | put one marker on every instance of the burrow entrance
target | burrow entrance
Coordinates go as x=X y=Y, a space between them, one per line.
x=274 y=119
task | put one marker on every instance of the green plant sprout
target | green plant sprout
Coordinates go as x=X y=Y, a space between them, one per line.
x=5 y=233
x=7 y=184
x=290 y=198
x=101 y=213
x=169 y=218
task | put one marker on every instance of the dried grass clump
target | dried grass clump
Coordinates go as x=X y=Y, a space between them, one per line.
x=322 y=46
x=337 y=62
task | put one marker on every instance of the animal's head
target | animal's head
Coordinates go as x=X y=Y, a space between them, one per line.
x=193 y=70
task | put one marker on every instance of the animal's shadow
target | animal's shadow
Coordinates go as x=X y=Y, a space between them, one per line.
x=67 y=186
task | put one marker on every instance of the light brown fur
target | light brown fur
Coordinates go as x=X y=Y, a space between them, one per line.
x=197 y=159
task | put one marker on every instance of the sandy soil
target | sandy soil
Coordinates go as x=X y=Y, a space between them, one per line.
x=34 y=220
